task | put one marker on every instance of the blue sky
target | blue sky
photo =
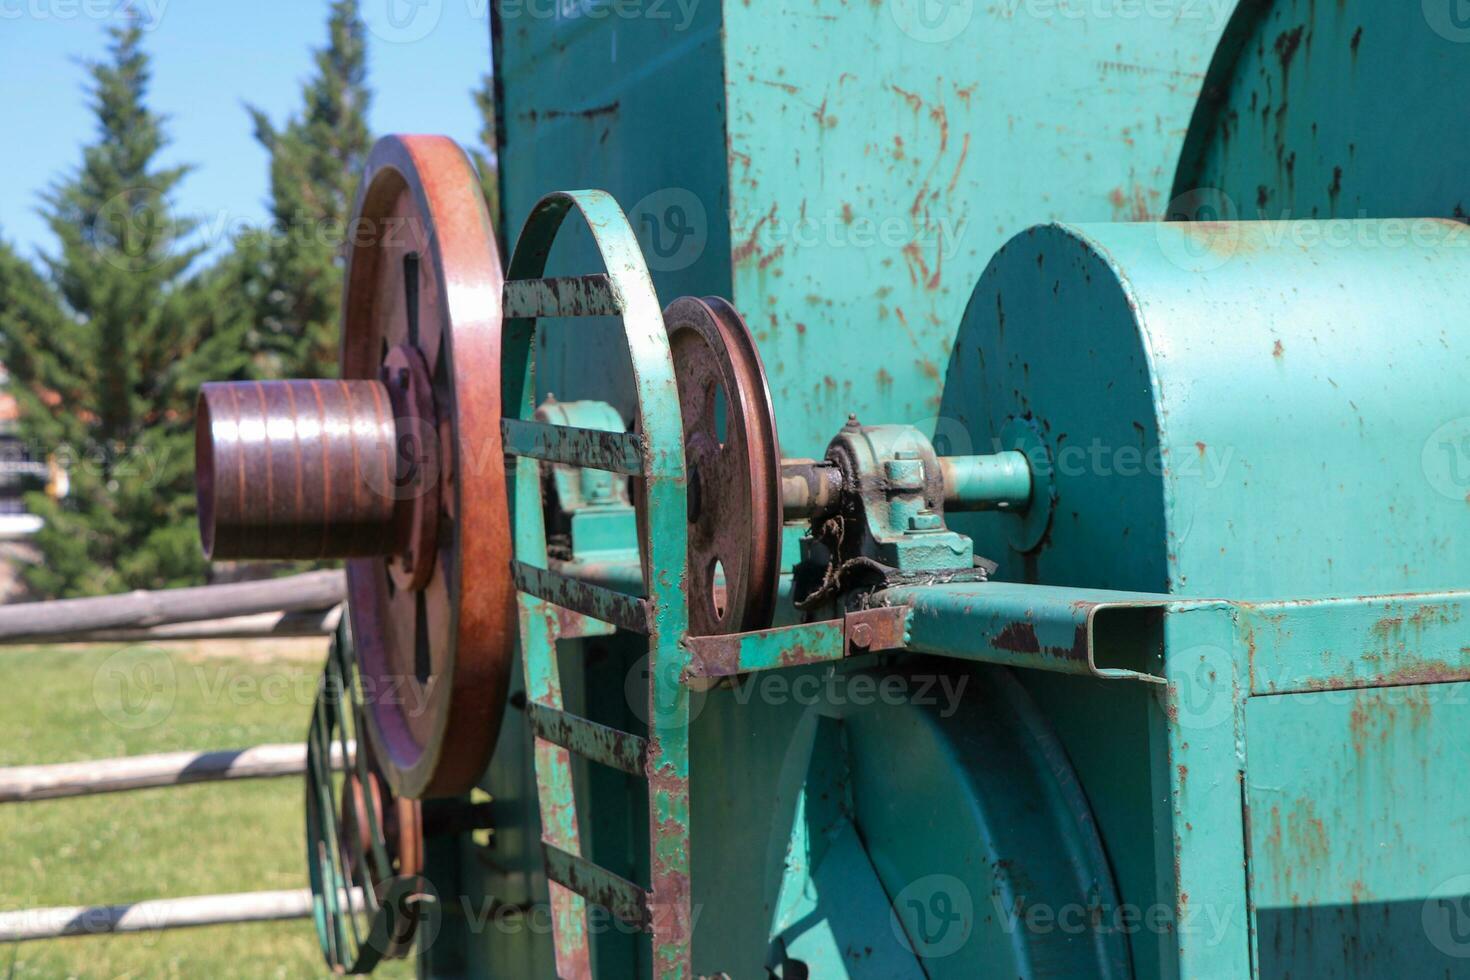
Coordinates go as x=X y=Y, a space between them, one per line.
x=209 y=58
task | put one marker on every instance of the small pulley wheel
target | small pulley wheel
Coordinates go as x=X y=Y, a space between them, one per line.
x=734 y=468
x=364 y=845
x=372 y=814
x=434 y=619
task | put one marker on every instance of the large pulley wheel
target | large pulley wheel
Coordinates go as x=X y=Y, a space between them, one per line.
x=734 y=468
x=433 y=619
x=397 y=467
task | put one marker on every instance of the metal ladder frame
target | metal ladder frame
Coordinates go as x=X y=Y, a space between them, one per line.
x=654 y=453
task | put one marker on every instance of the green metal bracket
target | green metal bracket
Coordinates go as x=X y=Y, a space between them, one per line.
x=654 y=454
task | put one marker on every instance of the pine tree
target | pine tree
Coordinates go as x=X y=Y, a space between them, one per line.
x=316 y=158
x=486 y=155
x=107 y=350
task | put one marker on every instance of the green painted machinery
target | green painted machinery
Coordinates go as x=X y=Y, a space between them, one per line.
x=928 y=563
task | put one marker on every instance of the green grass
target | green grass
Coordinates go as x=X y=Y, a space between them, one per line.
x=62 y=704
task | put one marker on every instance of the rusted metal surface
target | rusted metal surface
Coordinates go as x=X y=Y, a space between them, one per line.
x=608 y=746
x=663 y=559
x=1369 y=641
x=424 y=280
x=734 y=462
x=810 y=489
x=396 y=467
x=369 y=809
x=615 y=452
x=296 y=469
x=593 y=295
x=1110 y=635
x=629 y=612
x=858 y=632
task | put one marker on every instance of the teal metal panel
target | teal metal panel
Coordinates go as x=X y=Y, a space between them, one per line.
x=842 y=172
x=1238 y=413
x=1208 y=394
x=1331 y=110
x=1358 y=823
x=1348 y=643
x=877 y=160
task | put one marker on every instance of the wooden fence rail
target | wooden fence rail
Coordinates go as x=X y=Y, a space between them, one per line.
x=298 y=602
x=22 y=784
x=301 y=605
x=157 y=914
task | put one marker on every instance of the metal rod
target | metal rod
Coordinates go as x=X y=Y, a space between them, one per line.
x=809 y=488
x=22 y=784
x=35 y=621
x=156 y=914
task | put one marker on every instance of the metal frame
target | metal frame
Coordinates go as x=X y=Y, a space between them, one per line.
x=653 y=453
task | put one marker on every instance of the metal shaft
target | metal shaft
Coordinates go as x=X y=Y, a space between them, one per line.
x=999 y=481
x=296 y=469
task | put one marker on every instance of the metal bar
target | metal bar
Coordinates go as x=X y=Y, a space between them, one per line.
x=20 y=784
x=1112 y=635
x=598 y=449
x=35 y=621
x=785 y=646
x=593 y=295
x=587 y=738
x=621 y=610
x=597 y=884
x=154 y=915
x=858 y=632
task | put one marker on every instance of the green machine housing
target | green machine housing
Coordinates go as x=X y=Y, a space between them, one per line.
x=1207 y=716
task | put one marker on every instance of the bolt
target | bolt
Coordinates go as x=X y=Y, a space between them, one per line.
x=861 y=636
x=852 y=421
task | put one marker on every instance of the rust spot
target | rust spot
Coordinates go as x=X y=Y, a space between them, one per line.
x=1201 y=447
x=1018 y=638
x=912 y=98
x=1356 y=41
x=589 y=113
x=1277 y=350
x=1287 y=44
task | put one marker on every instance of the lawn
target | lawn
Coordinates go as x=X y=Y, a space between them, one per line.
x=62 y=704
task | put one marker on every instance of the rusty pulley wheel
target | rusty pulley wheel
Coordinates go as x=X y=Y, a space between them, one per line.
x=734 y=466
x=396 y=466
x=433 y=619
x=369 y=809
